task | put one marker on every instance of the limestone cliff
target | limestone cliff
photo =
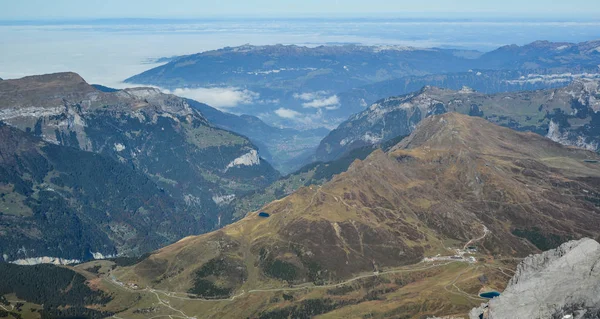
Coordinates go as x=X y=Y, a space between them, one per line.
x=560 y=283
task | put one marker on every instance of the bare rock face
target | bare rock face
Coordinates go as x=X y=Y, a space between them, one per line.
x=560 y=283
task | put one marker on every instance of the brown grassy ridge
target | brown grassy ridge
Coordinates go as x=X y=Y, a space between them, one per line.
x=433 y=190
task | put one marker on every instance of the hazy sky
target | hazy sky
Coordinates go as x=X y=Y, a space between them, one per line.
x=74 y=9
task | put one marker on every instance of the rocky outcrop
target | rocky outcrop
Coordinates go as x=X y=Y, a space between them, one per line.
x=45 y=260
x=560 y=283
x=249 y=159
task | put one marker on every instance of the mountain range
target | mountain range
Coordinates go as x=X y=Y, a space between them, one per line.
x=454 y=169
x=303 y=87
x=483 y=81
x=455 y=181
x=567 y=115
x=156 y=141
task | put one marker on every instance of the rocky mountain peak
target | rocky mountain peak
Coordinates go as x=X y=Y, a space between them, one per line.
x=44 y=89
x=559 y=283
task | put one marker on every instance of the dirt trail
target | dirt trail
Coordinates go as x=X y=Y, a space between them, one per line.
x=486 y=231
x=171 y=294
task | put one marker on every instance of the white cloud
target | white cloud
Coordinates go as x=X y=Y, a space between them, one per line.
x=305 y=96
x=287 y=113
x=218 y=97
x=305 y=120
x=267 y=101
x=308 y=96
x=329 y=103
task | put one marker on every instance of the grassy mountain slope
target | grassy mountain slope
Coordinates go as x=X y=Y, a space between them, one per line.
x=454 y=178
x=316 y=173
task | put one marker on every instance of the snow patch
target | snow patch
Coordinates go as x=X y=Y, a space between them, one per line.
x=381 y=48
x=466 y=90
x=223 y=199
x=99 y=255
x=119 y=147
x=275 y=71
x=140 y=93
x=191 y=200
x=371 y=138
x=552 y=78
x=36 y=112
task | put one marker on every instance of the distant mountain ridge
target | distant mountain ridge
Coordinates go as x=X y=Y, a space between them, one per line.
x=262 y=64
x=483 y=81
x=304 y=87
x=568 y=115
x=544 y=54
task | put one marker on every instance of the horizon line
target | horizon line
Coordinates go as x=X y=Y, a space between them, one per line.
x=412 y=15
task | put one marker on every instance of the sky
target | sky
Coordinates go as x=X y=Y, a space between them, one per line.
x=85 y=9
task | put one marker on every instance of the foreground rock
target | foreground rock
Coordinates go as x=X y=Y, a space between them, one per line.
x=560 y=283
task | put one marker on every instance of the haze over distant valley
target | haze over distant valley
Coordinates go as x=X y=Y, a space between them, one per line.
x=108 y=51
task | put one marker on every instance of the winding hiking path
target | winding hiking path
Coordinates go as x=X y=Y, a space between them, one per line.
x=188 y=296
x=486 y=231
x=193 y=297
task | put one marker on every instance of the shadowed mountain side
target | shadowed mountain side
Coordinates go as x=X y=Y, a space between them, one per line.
x=61 y=201
x=155 y=134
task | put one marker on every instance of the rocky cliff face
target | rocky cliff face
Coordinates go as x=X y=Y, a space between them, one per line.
x=154 y=134
x=560 y=283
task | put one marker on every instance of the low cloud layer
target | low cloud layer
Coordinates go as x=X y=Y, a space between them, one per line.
x=287 y=113
x=318 y=99
x=330 y=103
x=306 y=120
x=308 y=96
x=218 y=97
